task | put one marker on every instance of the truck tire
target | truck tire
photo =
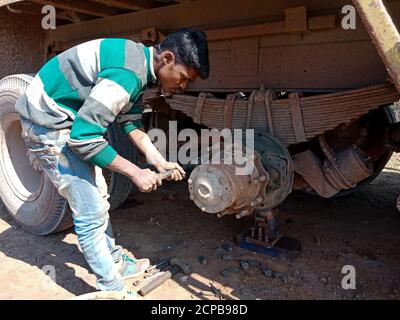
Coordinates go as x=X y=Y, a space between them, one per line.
x=28 y=195
x=119 y=186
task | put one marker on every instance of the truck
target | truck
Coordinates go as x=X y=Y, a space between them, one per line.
x=317 y=81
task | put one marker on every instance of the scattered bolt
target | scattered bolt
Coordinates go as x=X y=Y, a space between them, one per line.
x=244 y=265
x=184 y=279
x=228 y=247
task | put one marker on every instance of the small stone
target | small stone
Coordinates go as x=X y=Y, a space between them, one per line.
x=245 y=291
x=348 y=243
x=119 y=235
x=167 y=248
x=323 y=280
x=228 y=247
x=227 y=257
x=283 y=278
x=317 y=240
x=358 y=297
x=225 y=273
x=244 y=265
x=253 y=263
x=267 y=272
x=234 y=269
x=297 y=273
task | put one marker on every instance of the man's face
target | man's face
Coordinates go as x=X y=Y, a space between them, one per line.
x=174 y=77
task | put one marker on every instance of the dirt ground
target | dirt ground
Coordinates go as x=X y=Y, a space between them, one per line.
x=362 y=230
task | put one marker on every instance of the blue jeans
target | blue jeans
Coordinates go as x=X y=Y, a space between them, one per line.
x=85 y=189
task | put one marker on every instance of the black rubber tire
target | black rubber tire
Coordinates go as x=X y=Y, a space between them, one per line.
x=27 y=195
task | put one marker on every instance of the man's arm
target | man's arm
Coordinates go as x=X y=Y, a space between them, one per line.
x=145 y=179
x=153 y=156
x=106 y=100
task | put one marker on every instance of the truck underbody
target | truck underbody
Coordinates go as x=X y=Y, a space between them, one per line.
x=322 y=98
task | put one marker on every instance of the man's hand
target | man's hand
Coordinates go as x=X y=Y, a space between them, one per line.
x=177 y=172
x=143 y=142
x=146 y=180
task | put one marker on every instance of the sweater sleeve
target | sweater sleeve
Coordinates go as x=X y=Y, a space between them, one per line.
x=112 y=92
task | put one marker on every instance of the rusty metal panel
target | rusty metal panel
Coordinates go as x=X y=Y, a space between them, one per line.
x=383 y=33
x=314 y=66
x=200 y=13
x=296 y=19
x=21 y=43
x=329 y=65
x=243 y=57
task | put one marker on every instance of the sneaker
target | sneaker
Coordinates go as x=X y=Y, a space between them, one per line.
x=132 y=268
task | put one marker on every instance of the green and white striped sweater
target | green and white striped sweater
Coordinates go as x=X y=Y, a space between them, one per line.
x=86 y=88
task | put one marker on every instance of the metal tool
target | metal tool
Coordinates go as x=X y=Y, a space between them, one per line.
x=186 y=268
x=158 y=266
x=177 y=266
x=166 y=174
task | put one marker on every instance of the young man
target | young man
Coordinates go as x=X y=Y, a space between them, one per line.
x=66 y=111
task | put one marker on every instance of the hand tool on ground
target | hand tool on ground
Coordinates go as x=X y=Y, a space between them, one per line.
x=177 y=266
x=157 y=266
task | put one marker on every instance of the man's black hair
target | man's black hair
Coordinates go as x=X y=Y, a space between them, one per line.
x=190 y=49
